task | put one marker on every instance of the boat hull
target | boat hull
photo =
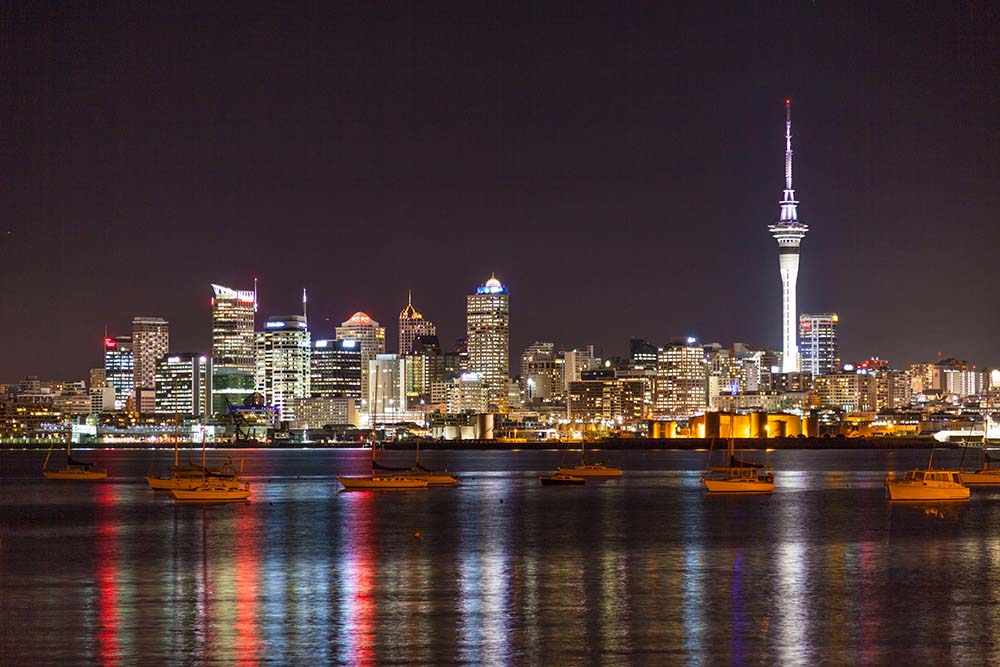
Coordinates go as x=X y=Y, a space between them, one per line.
x=905 y=490
x=186 y=483
x=590 y=471
x=74 y=475
x=738 y=486
x=432 y=478
x=981 y=478
x=213 y=494
x=562 y=480
x=376 y=483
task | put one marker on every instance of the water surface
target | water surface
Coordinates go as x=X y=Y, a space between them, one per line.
x=500 y=570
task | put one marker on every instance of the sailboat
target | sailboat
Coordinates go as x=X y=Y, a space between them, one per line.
x=192 y=476
x=433 y=477
x=210 y=489
x=75 y=471
x=738 y=476
x=374 y=481
x=985 y=476
x=589 y=469
x=927 y=484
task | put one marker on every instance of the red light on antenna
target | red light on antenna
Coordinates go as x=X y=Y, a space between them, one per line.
x=788 y=101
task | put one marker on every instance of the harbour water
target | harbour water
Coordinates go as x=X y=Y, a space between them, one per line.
x=500 y=570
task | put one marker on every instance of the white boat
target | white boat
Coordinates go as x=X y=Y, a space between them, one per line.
x=738 y=476
x=376 y=482
x=380 y=483
x=433 y=477
x=212 y=492
x=589 y=469
x=210 y=487
x=75 y=471
x=927 y=485
x=984 y=476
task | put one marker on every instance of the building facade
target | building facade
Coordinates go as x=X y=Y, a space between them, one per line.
x=234 y=363
x=150 y=341
x=183 y=384
x=411 y=325
x=336 y=369
x=283 y=363
x=680 y=379
x=387 y=391
x=119 y=368
x=541 y=373
x=370 y=336
x=818 y=343
x=487 y=317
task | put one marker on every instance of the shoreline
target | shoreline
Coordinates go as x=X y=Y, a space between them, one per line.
x=622 y=444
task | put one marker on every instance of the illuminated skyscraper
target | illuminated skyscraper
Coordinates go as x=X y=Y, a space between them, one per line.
x=182 y=384
x=818 y=343
x=336 y=369
x=233 y=346
x=487 y=317
x=150 y=341
x=283 y=363
x=362 y=328
x=680 y=379
x=119 y=368
x=411 y=325
x=788 y=232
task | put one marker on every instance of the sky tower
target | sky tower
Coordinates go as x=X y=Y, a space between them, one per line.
x=788 y=232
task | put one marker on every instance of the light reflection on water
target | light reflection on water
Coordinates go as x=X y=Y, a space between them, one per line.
x=499 y=571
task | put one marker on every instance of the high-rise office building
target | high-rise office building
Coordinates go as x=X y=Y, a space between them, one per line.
x=119 y=368
x=233 y=346
x=336 y=369
x=387 y=391
x=818 y=343
x=150 y=341
x=576 y=362
x=183 y=384
x=370 y=336
x=283 y=363
x=424 y=367
x=788 y=232
x=642 y=354
x=680 y=379
x=411 y=325
x=541 y=374
x=487 y=316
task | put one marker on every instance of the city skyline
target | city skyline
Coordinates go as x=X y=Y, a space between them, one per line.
x=640 y=171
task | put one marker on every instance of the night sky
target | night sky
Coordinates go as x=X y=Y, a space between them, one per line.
x=616 y=166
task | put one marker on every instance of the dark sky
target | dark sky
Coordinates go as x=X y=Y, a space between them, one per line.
x=616 y=166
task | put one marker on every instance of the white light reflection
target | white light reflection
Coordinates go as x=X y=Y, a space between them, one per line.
x=792 y=619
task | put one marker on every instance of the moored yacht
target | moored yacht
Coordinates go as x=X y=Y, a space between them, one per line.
x=928 y=484
x=212 y=492
x=739 y=476
x=75 y=471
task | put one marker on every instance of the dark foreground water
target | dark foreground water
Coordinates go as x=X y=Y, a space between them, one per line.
x=500 y=570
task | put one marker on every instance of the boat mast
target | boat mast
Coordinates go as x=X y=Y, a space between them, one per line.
x=374 y=418
x=176 y=426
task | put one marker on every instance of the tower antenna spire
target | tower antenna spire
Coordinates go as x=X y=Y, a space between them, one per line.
x=788 y=144
x=305 y=316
